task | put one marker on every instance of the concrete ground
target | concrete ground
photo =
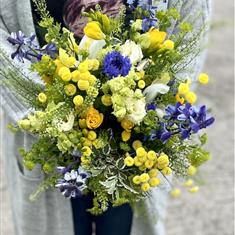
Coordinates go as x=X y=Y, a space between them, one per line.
x=210 y=212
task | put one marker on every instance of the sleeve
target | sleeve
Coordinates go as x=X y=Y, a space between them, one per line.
x=198 y=13
x=9 y=103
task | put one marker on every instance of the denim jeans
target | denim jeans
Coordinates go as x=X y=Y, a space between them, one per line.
x=115 y=221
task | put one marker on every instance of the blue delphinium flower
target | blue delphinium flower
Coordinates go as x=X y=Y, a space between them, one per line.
x=116 y=64
x=73 y=182
x=27 y=47
x=184 y=120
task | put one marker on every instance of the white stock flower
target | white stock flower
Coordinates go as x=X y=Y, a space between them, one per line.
x=132 y=50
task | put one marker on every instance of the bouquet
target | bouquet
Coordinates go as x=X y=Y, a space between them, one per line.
x=113 y=112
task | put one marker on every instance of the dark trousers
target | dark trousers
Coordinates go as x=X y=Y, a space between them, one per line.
x=115 y=221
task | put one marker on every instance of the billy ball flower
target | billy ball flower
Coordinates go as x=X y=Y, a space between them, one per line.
x=129 y=161
x=70 y=89
x=78 y=100
x=42 y=97
x=116 y=65
x=203 y=78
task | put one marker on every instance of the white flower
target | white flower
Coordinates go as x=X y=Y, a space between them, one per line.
x=66 y=126
x=136 y=110
x=132 y=50
x=151 y=91
x=92 y=46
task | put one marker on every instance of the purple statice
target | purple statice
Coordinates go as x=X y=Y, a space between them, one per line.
x=151 y=106
x=184 y=120
x=116 y=64
x=27 y=47
x=73 y=182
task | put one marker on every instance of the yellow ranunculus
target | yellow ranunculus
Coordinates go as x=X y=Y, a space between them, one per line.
x=156 y=38
x=127 y=124
x=92 y=30
x=106 y=100
x=126 y=136
x=93 y=118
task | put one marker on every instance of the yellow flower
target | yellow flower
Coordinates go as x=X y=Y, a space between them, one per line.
x=179 y=99
x=191 y=97
x=82 y=123
x=24 y=124
x=138 y=162
x=162 y=161
x=106 y=100
x=65 y=59
x=91 y=79
x=83 y=66
x=126 y=136
x=85 y=160
x=203 y=78
x=92 y=30
x=192 y=170
x=142 y=158
x=129 y=161
x=86 y=151
x=136 y=144
x=140 y=152
x=127 y=124
x=93 y=118
x=149 y=164
x=188 y=183
x=145 y=187
x=78 y=100
x=151 y=155
x=156 y=38
x=169 y=44
x=183 y=89
x=42 y=97
x=153 y=173
x=144 y=177
x=175 y=192
x=154 y=182
x=65 y=74
x=85 y=132
x=83 y=85
x=166 y=171
x=194 y=189
x=87 y=143
x=76 y=75
x=141 y=84
x=136 y=179
x=91 y=135
x=70 y=89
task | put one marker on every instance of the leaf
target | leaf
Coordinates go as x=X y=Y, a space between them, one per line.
x=110 y=184
x=106 y=150
x=203 y=138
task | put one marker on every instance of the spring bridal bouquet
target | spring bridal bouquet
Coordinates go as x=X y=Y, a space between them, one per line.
x=112 y=112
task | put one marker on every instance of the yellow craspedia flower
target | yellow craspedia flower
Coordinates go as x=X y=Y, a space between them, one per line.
x=83 y=85
x=127 y=124
x=83 y=67
x=194 y=189
x=91 y=135
x=126 y=136
x=188 y=183
x=78 y=100
x=140 y=152
x=42 y=97
x=169 y=44
x=143 y=158
x=70 y=89
x=191 y=97
x=86 y=151
x=166 y=171
x=144 y=177
x=82 y=123
x=183 y=89
x=129 y=161
x=162 y=161
x=93 y=118
x=153 y=173
x=93 y=30
x=149 y=164
x=106 y=100
x=192 y=170
x=203 y=78
x=76 y=75
x=151 y=155
x=175 y=192
x=65 y=74
x=141 y=84
x=136 y=179
x=136 y=144
x=145 y=187
x=154 y=182
x=138 y=163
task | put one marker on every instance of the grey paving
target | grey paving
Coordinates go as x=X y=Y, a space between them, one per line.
x=210 y=212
